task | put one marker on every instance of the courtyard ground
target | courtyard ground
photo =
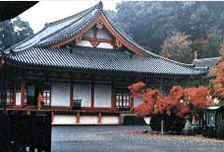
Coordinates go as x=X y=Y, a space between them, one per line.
x=124 y=139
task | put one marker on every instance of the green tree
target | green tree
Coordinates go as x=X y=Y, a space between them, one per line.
x=6 y=35
x=22 y=29
x=150 y=23
x=177 y=47
x=13 y=31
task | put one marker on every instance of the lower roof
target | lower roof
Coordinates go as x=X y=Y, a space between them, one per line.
x=206 y=62
x=98 y=59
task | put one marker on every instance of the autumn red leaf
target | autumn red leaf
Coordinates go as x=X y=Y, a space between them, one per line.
x=178 y=98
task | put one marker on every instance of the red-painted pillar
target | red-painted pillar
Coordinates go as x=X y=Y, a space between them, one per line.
x=99 y=117
x=71 y=95
x=92 y=95
x=22 y=92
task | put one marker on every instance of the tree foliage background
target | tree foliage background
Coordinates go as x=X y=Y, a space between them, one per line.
x=13 y=31
x=151 y=23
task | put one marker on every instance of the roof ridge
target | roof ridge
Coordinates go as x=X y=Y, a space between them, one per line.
x=69 y=17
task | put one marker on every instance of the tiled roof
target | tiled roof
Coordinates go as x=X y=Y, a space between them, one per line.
x=68 y=27
x=206 y=62
x=59 y=30
x=98 y=59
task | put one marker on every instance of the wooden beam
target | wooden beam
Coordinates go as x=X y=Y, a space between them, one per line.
x=98 y=40
x=102 y=19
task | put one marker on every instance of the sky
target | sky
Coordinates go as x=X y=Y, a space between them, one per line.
x=49 y=11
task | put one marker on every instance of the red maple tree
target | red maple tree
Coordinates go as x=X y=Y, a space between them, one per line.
x=179 y=100
x=217 y=83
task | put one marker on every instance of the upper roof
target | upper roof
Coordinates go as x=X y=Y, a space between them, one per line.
x=66 y=29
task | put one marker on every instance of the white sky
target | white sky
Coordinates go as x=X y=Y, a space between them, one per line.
x=49 y=11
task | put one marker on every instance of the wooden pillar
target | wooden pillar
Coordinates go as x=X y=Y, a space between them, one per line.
x=120 y=119
x=52 y=117
x=113 y=99
x=14 y=94
x=22 y=92
x=71 y=95
x=78 y=117
x=131 y=103
x=92 y=95
x=99 y=117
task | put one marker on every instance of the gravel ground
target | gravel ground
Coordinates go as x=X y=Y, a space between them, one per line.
x=119 y=139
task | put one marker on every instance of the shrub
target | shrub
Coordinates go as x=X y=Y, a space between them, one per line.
x=173 y=123
x=220 y=130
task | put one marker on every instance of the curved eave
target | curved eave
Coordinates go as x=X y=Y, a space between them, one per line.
x=74 y=69
x=113 y=62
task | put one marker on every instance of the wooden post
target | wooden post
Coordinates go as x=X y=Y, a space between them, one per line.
x=14 y=94
x=113 y=99
x=92 y=95
x=120 y=119
x=162 y=126
x=52 y=117
x=22 y=92
x=131 y=103
x=71 y=95
x=99 y=117
x=78 y=117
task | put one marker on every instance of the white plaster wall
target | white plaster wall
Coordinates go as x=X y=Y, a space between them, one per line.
x=90 y=120
x=60 y=94
x=137 y=101
x=102 y=95
x=85 y=43
x=103 y=34
x=83 y=92
x=64 y=120
x=105 y=45
x=18 y=98
x=90 y=33
x=110 y=120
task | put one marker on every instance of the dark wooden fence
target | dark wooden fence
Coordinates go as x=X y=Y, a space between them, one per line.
x=21 y=131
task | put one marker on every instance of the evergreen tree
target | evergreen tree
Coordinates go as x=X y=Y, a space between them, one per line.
x=13 y=31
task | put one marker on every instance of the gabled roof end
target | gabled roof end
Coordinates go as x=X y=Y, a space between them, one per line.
x=100 y=5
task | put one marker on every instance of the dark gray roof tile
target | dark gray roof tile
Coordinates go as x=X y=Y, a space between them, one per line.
x=99 y=60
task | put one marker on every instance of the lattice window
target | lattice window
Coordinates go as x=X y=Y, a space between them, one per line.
x=46 y=94
x=122 y=100
x=18 y=93
x=29 y=95
x=10 y=96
